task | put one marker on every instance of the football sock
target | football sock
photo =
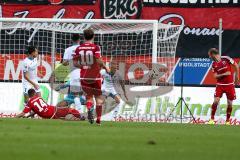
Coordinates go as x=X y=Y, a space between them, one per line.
x=99 y=112
x=77 y=103
x=229 y=111
x=89 y=105
x=214 y=108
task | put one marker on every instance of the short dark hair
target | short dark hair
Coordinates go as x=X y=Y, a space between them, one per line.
x=75 y=37
x=31 y=92
x=31 y=49
x=88 y=34
x=213 y=51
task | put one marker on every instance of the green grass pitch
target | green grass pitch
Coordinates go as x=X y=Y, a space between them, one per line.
x=27 y=139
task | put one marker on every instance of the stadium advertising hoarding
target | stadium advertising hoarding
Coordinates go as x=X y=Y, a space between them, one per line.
x=10 y=69
x=140 y=112
x=45 y=2
x=200 y=24
x=199 y=34
x=192 y=3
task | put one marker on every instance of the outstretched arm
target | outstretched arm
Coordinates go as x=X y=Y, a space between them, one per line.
x=102 y=64
x=20 y=115
x=217 y=76
x=75 y=62
x=236 y=70
x=123 y=88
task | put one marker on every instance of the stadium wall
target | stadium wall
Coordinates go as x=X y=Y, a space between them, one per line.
x=199 y=100
x=199 y=34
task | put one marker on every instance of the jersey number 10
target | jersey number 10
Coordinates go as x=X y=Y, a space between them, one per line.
x=86 y=57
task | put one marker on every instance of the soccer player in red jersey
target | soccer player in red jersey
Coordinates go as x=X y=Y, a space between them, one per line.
x=42 y=109
x=222 y=69
x=88 y=59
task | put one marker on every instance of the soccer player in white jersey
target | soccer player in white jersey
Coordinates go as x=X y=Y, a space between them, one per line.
x=75 y=87
x=29 y=72
x=110 y=82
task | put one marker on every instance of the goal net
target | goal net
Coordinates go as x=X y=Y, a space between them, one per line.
x=144 y=50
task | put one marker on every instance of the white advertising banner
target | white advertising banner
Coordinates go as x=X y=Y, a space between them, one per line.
x=163 y=108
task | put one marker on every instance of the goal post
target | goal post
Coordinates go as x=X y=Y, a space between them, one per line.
x=144 y=49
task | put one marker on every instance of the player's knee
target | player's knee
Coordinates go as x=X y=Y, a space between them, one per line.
x=229 y=102
x=216 y=101
x=118 y=101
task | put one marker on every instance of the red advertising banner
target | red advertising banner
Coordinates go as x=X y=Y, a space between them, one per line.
x=200 y=20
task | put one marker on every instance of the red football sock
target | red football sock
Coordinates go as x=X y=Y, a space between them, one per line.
x=214 y=108
x=89 y=105
x=229 y=111
x=99 y=112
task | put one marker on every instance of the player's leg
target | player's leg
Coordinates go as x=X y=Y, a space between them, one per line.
x=99 y=100
x=117 y=99
x=229 y=111
x=63 y=103
x=38 y=91
x=217 y=96
x=99 y=105
x=75 y=91
x=74 y=114
x=231 y=95
x=26 y=87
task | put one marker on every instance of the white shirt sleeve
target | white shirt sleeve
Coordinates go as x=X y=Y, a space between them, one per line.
x=25 y=66
x=103 y=72
x=119 y=76
x=66 y=54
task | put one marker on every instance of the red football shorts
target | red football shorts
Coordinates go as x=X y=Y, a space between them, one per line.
x=228 y=89
x=62 y=112
x=92 y=88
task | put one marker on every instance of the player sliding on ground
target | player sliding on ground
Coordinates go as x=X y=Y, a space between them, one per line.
x=221 y=68
x=88 y=59
x=111 y=81
x=42 y=109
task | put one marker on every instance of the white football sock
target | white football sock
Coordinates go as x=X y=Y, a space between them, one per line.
x=77 y=103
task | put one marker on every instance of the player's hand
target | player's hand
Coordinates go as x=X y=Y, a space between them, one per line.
x=236 y=80
x=108 y=70
x=125 y=96
x=58 y=88
x=228 y=73
x=36 y=87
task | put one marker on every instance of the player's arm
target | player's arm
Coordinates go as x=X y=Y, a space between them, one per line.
x=76 y=58
x=26 y=76
x=99 y=60
x=65 y=61
x=217 y=76
x=236 y=70
x=62 y=86
x=24 y=112
x=123 y=88
x=102 y=64
x=20 y=115
x=75 y=62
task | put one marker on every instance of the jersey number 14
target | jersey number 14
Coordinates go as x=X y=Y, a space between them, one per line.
x=40 y=105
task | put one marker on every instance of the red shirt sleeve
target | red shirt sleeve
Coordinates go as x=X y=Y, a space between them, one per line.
x=26 y=109
x=97 y=52
x=214 y=68
x=76 y=56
